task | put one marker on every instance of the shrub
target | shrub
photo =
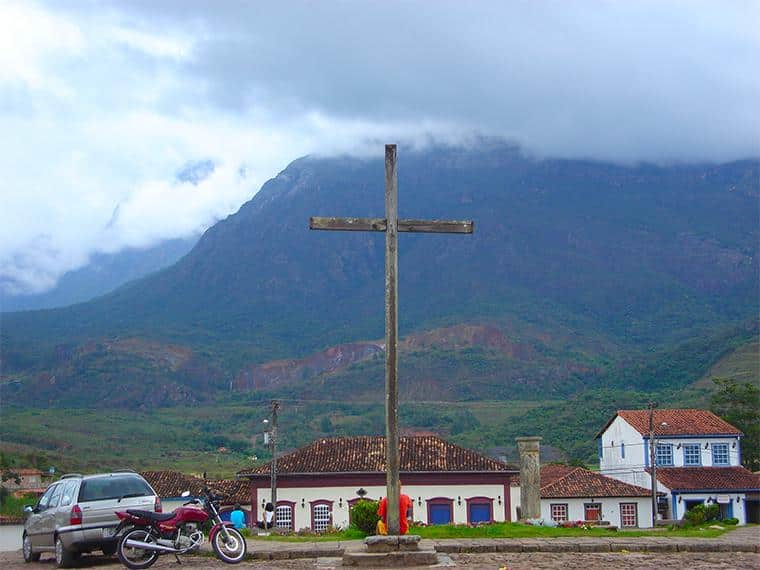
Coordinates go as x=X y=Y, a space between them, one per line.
x=731 y=521
x=701 y=514
x=712 y=513
x=364 y=516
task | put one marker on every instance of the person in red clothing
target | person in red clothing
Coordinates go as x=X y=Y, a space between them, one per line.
x=404 y=504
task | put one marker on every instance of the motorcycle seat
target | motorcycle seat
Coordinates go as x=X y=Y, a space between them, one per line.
x=150 y=515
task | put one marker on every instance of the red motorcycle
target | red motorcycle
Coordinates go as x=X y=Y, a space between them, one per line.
x=146 y=534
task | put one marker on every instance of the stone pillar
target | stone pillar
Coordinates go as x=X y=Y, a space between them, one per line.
x=530 y=477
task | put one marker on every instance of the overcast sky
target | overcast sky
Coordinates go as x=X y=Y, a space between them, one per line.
x=111 y=111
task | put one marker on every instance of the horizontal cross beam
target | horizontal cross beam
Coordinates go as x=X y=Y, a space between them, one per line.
x=380 y=225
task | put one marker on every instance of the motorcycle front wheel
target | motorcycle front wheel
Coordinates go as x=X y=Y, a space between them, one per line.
x=231 y=549
x=132 y=556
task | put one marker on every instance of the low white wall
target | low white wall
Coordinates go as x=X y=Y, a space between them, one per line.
x=302 y=497
x=576 y=510
x=610 y=509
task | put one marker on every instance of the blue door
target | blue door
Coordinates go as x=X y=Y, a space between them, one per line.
x=440 y=514
x=480 y=512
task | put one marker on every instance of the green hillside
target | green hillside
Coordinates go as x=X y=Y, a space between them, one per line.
x=742 y=364
x=597 y=285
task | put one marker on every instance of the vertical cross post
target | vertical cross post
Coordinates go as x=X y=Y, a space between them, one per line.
x=391 y=334
x=391 y=225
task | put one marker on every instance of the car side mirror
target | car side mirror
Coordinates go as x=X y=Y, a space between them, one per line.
x=28 y=509
x=185 y=493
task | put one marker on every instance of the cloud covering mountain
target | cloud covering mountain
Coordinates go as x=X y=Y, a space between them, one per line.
x=104 y=104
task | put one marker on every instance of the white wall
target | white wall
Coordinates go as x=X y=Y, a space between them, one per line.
x=610 y=509
x=168 y=505
x=738 y=509
x=705 y=454
x=621 y=432
x=576 y=512
x=417 y=493
x=629 y=468
x=514 y=497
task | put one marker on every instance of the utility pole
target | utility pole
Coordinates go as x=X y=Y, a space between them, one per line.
x=273 y=474
x=653 y=461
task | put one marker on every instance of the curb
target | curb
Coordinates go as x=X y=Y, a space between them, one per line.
x=612 y=546
x=520 y=546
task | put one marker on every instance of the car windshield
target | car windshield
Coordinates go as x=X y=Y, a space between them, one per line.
x=113 y=487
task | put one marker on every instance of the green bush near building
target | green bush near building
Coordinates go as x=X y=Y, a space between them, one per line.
x=364 y=516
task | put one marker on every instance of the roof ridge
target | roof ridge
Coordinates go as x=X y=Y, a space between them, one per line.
x=565 y=476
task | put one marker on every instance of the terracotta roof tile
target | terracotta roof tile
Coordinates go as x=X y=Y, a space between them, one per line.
x=580 y=482
x=366 y=454
x=707 y=478
x=172 y=483
x=234 y=490
x=679 y=422
x=567 y=481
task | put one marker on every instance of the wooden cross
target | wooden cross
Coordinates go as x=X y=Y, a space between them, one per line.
x=391 y=225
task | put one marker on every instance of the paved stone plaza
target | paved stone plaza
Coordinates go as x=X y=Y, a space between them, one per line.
x=739 y=549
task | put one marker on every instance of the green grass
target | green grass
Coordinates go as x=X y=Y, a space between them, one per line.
x=348 y=534
x=742 y=364
x=508 y=530
x=516 y=530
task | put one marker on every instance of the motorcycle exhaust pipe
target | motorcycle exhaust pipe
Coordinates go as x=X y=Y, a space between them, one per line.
x=150 y=546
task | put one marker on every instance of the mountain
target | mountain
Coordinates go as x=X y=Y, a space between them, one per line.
x=104 y=273
x=577 y=270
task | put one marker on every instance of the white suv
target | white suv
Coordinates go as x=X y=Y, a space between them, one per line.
x=78 y=514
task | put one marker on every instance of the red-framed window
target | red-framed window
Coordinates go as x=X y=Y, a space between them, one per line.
x=440 y=510
x=321 y=515
x=629 y=515
x=479 y=509
x=559 y=512
x=285 y=515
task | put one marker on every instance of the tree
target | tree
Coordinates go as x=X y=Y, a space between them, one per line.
x=739 y=404
x=7 y=472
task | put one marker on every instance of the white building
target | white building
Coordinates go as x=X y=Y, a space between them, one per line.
x=698 y=459
x=571 y=493
x=317 y=484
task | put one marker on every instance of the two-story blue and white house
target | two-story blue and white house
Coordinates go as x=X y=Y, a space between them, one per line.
x=698 y=457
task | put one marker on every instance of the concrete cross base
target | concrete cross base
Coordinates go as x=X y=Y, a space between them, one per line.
x=391 y=552
x=383 y=543
x=394 y=559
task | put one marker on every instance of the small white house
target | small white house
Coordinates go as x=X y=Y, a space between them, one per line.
x=571 y=493
x=317 y=484
x=697 y=455
x=29 y=481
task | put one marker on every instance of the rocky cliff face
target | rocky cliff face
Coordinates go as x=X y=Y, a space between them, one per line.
x=279 y=373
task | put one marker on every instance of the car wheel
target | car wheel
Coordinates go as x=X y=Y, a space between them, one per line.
x=109 y=550
x=29 y=554
x=63 y=557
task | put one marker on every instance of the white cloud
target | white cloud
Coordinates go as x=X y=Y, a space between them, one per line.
x=102 y=103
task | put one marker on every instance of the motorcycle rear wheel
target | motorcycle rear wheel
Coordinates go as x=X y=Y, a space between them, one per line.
x=136 y=558
x=231 y=550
